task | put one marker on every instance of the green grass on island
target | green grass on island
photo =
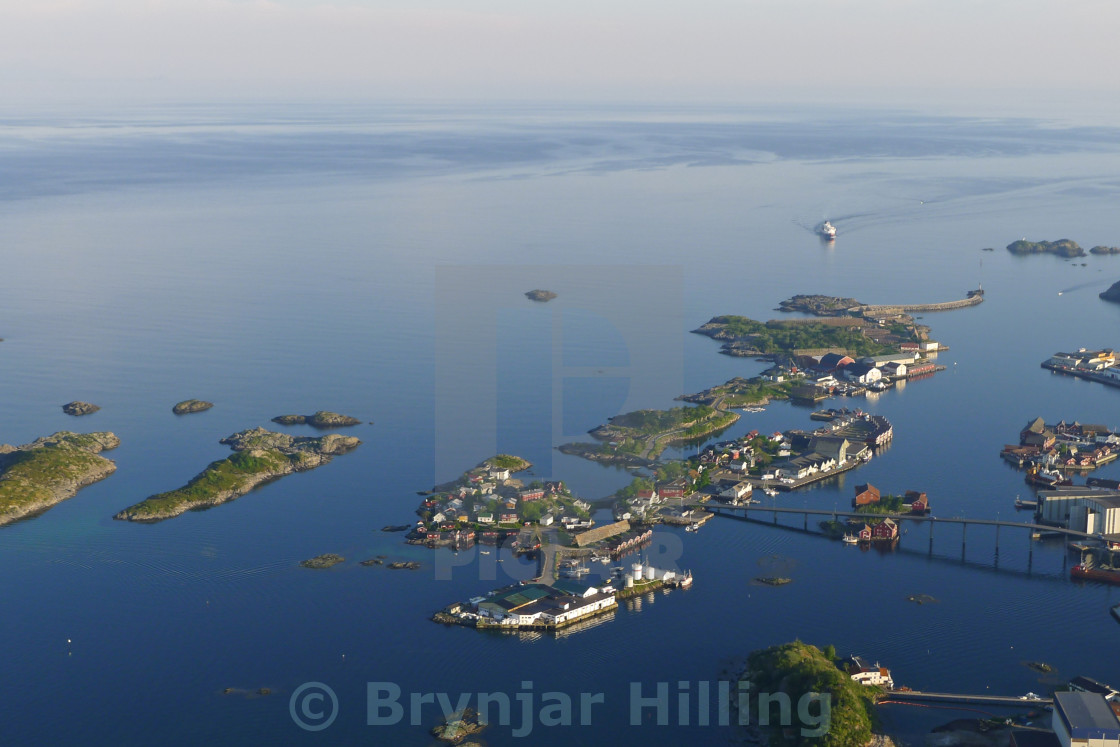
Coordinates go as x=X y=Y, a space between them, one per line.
x=235 y=474
x=508 y=461
x=39 y=475
x=260 y=456
x=798 y=668
x=781 y=337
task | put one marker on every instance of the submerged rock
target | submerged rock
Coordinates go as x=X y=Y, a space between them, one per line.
x=773 y=580
x=79 y=408
x=188 y=406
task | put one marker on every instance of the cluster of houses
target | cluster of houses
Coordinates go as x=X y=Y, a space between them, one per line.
x=832 y=371
x=1064 y=445
x=485 y=500
x=646 y=502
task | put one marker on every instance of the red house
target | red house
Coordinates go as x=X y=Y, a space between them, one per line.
x=886 y=530
x=865 y=534
x=532 y=494
x=865 y=495
x=919 y=502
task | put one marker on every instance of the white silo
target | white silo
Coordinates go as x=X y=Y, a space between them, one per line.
x=629 y=581
x=637 y=569
x=651 y=573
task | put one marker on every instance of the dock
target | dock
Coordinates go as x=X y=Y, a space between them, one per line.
x=916 y=696
x=1106 y=379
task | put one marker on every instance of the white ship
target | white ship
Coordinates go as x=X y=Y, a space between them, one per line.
x=828 y=231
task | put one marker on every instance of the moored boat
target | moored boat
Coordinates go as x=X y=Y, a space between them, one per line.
x=1047 y=478
x=850 y=539
x=1105 y=575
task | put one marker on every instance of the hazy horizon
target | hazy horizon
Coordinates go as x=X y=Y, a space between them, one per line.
x=1025 y=56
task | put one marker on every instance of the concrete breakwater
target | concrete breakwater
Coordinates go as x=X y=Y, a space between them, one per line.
x=920 y=307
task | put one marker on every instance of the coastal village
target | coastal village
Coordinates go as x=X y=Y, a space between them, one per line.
x=1052 y=452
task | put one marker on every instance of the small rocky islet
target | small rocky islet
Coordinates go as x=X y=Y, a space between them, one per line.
x=188 y=406
x=321 y=419
x=540 y=295
x=77 y=408
x=260 y=456
x=1062 y=247
x=38 y=475
x=327 y=560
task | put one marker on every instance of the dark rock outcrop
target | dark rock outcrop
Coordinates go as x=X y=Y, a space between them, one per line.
x=79 y=408
x=188 y=406
x=540 y=295
x=1112 y=294
x=321 y=419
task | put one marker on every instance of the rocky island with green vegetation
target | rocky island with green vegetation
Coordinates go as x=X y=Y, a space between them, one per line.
x=640 y=436
x=744 y=337
x=327 y=560
x=79 y=408
x=188 y=406
x=321 y=419
x=740 y=392
x=1113 y=293
x=260 y=456
x=798 y=668
x=1105 y=250
x=1062 y=248
x=49 y=470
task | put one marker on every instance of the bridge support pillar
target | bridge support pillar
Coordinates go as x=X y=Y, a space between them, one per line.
x=964 y=538
x=805 y=525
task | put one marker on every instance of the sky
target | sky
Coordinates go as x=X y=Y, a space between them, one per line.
x=716 y=50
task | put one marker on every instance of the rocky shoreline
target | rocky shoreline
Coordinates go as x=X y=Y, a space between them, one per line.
x=36 y=476
x=260 y=456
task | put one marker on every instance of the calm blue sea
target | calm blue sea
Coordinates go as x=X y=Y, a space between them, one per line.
x=372 y=261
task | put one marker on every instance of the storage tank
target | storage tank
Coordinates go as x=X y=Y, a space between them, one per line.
x=629 y=581
x=651 y=573
x=637 y=569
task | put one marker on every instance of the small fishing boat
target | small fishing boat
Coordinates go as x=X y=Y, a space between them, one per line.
x=850 y=539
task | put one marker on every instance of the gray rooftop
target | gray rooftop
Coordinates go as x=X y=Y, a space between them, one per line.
x=1086 y=715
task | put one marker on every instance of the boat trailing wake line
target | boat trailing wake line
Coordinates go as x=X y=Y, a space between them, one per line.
x=1082 y=286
